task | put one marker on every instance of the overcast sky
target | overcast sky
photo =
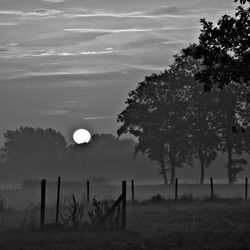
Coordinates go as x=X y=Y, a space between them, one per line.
x=71 y=63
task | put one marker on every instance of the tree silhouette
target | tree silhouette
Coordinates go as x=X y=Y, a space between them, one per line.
x=33 y=150
x=229 y=119
x=201 y=112
x=225 y=52
x=155 y=114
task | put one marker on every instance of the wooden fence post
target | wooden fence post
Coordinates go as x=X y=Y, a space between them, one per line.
x=176 y=189
x=246 y=189
x=43 y=192
x=133 y=190
x=58 y=198
x=212 y=187
x=124 y=199
x=88 y=197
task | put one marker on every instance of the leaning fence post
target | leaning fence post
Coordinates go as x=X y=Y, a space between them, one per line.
x=43 y=191
x=124 y=189
x=58 y=198
x=88 y=199
x=212 y=187
x=176 y=189
x=246 y=189
x=133 y=190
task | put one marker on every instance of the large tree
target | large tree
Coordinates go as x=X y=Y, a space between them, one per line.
x=155 y=114
x=225 y=54
x=224 y=49
x=201 y=111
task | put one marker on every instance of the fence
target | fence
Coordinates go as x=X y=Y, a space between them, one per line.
x=42 y=203
x=24 y=198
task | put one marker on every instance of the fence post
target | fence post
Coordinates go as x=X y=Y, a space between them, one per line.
x=58 y=198
x=133 y=190
x=88 y=199
x=124 y=189
x=43 y=191
x=246 y=189
x=176 y=189
x=212 y=187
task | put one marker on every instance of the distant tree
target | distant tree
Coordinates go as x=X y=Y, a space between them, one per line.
x=34 y=150
x=155 y=114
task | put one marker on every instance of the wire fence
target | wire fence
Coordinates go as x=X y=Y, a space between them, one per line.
x=30 y=196
x=27 y=207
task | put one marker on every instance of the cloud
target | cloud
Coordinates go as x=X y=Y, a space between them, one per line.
x=53 y=112
x=51 y=52
x=36 y=13
x=54 y=1
x=90 y=30
x=99 y=117
x=8 y=24
x=163 y=12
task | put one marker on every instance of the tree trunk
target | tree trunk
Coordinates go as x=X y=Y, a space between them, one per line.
x=229 y=155
x=163 y=168
x=172 y=181
x=164 y=173
x=229 y=163
x=172 y=163
x=202 y=176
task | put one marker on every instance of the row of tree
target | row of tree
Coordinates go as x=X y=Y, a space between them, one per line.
x=199 y=107
x=35 y=153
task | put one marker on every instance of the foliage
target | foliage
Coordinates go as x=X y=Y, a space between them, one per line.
x=2 y=204
x=99 y=210
x=201 y=113
x=73 y=216
x=155 y=114
x=156 y=198
x=225 y=53
x=35 y=150
x=187 y=197
x=225 y=49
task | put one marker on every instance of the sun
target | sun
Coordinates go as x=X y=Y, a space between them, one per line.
x=81 y=136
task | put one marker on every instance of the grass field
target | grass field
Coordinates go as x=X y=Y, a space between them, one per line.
x=219 y=224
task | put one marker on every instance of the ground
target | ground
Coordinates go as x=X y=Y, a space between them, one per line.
x=219 y=224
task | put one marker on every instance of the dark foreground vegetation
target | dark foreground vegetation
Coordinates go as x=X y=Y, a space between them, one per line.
x=154 y=224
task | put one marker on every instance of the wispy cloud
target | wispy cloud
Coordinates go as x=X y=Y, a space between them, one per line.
x=51 y=52
x=163 y=12
x=36 y=13
x=87 y=30
x=53 y=112
x=54 y=1
x=99 y=117
x=7 y=24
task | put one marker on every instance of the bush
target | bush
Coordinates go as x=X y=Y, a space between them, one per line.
x=157 y=198
x=187 y=197
x=2 y=204
x=72 y=217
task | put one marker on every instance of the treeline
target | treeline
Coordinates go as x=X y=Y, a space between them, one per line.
x=35 y=153
x=199 y=107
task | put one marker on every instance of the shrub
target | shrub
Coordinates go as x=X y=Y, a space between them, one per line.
x=187 y=197
x=157 y=198
x=72 y=217
x=2 y=204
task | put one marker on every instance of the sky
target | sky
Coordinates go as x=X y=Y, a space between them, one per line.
x=68 y=64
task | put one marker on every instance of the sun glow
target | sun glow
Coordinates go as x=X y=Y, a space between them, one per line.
x=81 y=136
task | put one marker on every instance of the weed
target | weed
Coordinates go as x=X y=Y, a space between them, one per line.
x=72 y=217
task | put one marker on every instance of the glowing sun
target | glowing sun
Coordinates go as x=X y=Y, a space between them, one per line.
x=81 y=136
